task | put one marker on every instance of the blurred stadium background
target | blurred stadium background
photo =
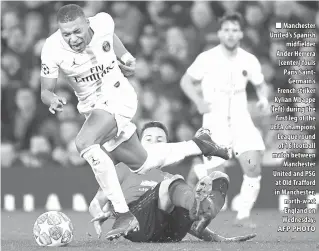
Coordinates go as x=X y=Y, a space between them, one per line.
x=38 y=154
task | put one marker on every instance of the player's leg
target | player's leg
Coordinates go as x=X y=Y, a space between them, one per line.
x=132 y=153
x=250 y=162
x=222 y=168
x=202 y=169
x=181 y=194
x=179 y=225
x=176 y=198
x=249 y=145
x=180 y=222
x=145 y=210
x=204 y=202
x=99 y=125
x=152 y=220
x=210 y=197
x=220 y=134
x=208 y=166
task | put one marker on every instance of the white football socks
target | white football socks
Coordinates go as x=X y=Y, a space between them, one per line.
x=248 y=195
x=164 y=154
x=105 y=174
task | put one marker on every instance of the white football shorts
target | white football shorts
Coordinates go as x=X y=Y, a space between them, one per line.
x=119 y=99
x=241 y=136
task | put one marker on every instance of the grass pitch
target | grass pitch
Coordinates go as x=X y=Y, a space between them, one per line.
x=16 y=235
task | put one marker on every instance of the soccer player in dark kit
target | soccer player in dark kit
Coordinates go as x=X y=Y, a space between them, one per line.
x=165 y=206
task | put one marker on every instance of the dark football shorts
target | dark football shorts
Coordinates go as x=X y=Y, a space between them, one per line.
x=157 y=225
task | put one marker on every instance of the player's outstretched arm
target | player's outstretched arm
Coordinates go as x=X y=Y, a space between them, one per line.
x=49 y=77
x=256 y=77
x=262 y=91
x=47 y=89
x=48 y=96
x=119 y=47
x=262 y=94
x=125 y=59
x=209 y=235
x=100 y=210
x=188 y=87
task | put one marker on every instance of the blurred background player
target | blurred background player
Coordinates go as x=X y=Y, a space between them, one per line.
x=165 y=206
x=223 y=73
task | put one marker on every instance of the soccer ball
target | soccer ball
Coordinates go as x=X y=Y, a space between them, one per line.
x=53 y=229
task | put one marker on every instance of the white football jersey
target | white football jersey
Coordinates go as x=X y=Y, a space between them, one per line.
x=89 y=70
x=224 y=80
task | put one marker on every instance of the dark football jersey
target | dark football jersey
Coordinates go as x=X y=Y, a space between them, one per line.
x=135 y=185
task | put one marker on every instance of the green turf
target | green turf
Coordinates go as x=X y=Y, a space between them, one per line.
x=17 y=235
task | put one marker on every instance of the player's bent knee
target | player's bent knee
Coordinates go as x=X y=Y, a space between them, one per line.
x=110 y=134
x=252 y=170
x=82 y=142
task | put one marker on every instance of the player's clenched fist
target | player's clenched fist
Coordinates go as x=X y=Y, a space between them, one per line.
x=127 y=65
x=263 y=105
x=203 y=106
x=57 y=104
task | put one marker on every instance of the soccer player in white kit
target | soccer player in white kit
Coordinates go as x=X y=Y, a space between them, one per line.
x=86 y=51
x=223 y=73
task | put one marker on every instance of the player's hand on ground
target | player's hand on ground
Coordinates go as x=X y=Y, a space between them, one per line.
x=101 y=217
x=98 y=221
x=237 y=238
x=203 y=106
x=263 y=106
x=57 y=104
x=128 y=69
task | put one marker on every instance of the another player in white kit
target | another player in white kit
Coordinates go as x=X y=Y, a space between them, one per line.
x=86 y=51
x=223 y=73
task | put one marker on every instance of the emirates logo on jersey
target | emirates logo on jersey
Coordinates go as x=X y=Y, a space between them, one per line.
x=106 y=46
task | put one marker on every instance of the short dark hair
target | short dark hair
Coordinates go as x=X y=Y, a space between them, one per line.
x=154 y=124
x=69 y=12
x=232 y=16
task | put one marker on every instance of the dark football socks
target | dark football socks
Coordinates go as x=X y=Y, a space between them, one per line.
x=181 y=194
x=218 y=195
